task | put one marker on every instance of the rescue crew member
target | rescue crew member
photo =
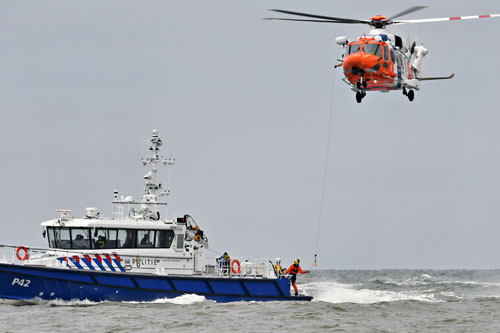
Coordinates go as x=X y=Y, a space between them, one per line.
x=278 y=269
x=293 y=270
x=224 y=261
x=100 y=242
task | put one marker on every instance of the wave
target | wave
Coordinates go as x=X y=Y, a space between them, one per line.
x=428 y=280
x=421 y=280
x=333 y=292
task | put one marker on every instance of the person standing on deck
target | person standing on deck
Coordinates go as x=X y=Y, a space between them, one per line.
x=278 y=270
x=293 y=270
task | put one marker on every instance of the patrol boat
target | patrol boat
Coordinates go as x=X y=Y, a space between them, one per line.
x=134 y=256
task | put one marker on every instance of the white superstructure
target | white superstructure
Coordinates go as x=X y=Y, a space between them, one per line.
x=138 y=238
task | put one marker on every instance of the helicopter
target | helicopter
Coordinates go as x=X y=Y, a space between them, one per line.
x=380 y=61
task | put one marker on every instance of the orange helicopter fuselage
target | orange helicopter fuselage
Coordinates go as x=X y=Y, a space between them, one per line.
x=371 y=61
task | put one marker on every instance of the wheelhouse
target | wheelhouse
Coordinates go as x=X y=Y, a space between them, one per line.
x=109 y=238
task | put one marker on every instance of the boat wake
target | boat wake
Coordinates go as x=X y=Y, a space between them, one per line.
x=333 y=292
x=54 y=302
x=187 y=299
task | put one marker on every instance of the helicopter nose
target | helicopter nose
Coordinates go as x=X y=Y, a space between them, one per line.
x=357 y=61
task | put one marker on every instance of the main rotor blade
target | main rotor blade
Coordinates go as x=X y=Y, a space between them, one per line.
x=302 y=20
x=330 y=18
x=443 y=19
x=407 y=11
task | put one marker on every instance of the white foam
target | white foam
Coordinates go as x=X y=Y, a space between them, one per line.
x=332 y=292
x=421 y=280
x=61 y=302
x=451 y=294
x=482 y=284
x=185 y=299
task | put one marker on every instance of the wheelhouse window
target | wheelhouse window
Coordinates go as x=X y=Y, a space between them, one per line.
x=62 y=238
x=353 y=48
x=145 y=238
x=51 y=238
x=86 y=238
x=105 y=239
x=373 y=48
x=81 y=238
x=164 y=238
x=126 y=238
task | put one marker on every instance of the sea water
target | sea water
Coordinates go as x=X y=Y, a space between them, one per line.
x=349 y=301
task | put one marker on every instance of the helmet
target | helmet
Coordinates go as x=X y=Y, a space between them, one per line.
x=297 y=261
x=277 y=260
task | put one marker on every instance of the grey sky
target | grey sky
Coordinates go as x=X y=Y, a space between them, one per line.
x=245 y=102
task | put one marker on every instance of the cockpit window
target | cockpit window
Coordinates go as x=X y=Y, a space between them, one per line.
x=375 y=49
x=353 y=48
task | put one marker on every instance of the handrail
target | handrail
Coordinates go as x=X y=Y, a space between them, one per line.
x=85 y=251
x=54 y=257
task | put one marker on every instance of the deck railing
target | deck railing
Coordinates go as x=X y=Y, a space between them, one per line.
x=243 y=267
x=61 y=258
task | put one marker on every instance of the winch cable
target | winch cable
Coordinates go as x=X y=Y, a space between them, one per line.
x=325 y=173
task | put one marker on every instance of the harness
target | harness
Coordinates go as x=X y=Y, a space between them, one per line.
x=295 y=270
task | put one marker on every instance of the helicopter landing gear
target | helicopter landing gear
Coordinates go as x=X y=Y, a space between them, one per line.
x=360 y=95
x=410 y=94
x=361 y=83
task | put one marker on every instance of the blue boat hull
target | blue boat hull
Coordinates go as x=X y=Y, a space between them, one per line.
x=28 y=282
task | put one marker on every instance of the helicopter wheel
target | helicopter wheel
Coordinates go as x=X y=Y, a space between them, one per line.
x=411 y=95
x=405 y=92
x=359 y=96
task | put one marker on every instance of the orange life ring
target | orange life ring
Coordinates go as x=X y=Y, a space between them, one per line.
x=26 y=255
x=235 y=271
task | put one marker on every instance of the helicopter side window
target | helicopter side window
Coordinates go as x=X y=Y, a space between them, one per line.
x=400 y=61
x=354 y=48
x=393 y=57
x=386 y=53
x=373 y=49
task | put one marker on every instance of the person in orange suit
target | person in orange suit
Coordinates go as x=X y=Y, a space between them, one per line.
x=293 y=270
